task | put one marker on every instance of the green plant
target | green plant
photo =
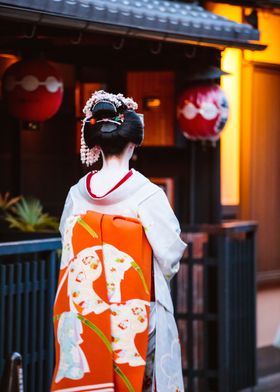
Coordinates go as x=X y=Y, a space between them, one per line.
x=7 y=202
x=27 y=215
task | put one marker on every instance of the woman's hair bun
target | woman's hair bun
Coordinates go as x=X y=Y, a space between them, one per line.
x=104 y=109
x=111 y=123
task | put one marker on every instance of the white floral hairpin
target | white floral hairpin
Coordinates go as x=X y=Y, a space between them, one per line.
x=117 y=99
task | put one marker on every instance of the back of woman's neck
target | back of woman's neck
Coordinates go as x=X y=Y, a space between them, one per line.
x=112 y=171
x=115 y=164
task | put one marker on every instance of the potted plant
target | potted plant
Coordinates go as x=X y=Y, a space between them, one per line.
x=6 y=204
x=27 y=220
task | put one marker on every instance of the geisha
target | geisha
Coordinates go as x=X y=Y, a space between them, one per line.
x=113 y=313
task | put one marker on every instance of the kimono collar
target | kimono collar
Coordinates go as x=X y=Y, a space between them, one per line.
x=122 y=192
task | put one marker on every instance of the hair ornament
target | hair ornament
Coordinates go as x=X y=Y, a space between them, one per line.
x=117 y=100
x=88 y=155
x=116 y=120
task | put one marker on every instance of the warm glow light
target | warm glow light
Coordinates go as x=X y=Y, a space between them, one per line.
x=228 y=11
x=8 y=56
x=230 y=139
x=269 y=26
x=150 y=103
x=6 y=60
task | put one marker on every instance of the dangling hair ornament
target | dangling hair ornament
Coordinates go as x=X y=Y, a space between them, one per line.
x=89 y=156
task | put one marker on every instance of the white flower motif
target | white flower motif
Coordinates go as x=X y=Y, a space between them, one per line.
x=73 y=363
x=68 y=254
x=167 y=367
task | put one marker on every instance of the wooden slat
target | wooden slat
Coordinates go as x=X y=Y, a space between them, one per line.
x=27 y=288
x=10 y=317
x=2 y=314
x=41 y=322
x=32 y=385
x=18 y=306
x=26 y=324
x=51 y=288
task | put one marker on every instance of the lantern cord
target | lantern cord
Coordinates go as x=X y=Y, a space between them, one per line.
x=32 y=33
x=190 y=54
x=119 y=45
x=78 y=40
x=156 y=50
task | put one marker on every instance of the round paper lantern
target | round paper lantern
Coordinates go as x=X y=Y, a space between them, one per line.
x=33 y=90
x=202 y=112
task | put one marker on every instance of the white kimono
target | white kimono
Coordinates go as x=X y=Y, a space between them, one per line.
x=137 y=197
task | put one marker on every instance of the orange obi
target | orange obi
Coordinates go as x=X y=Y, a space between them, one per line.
x=101 y=311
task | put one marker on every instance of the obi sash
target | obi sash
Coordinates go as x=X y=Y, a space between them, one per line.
x=101 y=310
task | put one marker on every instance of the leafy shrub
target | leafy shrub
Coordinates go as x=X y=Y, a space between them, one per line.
x=7 y=202
x=27 y=215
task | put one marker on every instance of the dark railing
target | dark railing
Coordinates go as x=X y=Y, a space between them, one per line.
x=28 y=276
x=214 y=298
x=214 y=295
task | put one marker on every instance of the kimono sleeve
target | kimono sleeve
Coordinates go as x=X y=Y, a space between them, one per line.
x=163 y=232
x=67 y=210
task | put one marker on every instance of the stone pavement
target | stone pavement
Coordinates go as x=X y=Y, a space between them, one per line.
x=269 y=383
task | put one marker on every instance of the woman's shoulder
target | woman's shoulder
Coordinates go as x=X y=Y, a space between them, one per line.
x=77 y=187
x=146 y=187
x=144 y=180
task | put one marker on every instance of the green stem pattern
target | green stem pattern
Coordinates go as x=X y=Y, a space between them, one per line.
x=108 y=345
x=123 y=377
x=87 y=227
x=97 y=331
x=138 y=269
x=57 y=317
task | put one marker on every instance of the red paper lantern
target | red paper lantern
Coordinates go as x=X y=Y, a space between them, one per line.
x=202 y=112
x=33 y=90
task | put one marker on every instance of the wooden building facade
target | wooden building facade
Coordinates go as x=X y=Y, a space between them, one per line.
x=148 y=56
x=148 y=50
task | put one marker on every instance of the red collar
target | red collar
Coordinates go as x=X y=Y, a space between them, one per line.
x=91 y=174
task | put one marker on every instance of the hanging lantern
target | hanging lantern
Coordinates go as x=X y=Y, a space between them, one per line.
x=202 y=112
x=33 y=90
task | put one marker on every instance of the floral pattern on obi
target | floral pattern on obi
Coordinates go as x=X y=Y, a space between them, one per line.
x=83 y=271
x=73 y=363
x=127 y=321
x=101 y=321
x=67 y=250
x=116 y=264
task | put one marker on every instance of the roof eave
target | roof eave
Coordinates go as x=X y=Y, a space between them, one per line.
x=64 y=21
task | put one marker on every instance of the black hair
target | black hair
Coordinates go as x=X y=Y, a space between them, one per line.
x=112 y=136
